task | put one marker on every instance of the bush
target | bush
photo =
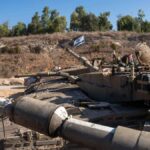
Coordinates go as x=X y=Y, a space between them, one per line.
x=8 y=50
x=98 y=46
x=95 y=47
x=36 y=49
x=113 y=46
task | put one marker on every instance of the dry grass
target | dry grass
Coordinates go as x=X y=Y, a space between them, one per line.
x=43 y=52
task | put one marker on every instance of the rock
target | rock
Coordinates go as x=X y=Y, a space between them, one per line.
x=117 y=44
x=2 y=45
x=5 y=82
x=15 y=81
x=12 y=81
x=142 y=51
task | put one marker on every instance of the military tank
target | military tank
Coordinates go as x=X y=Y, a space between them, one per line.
x=106 y=99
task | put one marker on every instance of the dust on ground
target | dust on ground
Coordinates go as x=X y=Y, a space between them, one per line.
x=11 y=87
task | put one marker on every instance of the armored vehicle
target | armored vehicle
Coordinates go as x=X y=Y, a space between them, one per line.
x=87 y=94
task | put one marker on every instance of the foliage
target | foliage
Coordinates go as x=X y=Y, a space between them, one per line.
x=45 y=20
x=83 y=21
x=99 y=46
x=113 y=46
x=53 y=15
x=137 y=24
x=89 y=23
x=19 y=29
x=12 y=50
x=4 y=31
x=35 y=25
x=37 y=49
x=51 y=21
x=140 y=18
x=74 y=23
x=145 y=26
x=127 y=23
x=103 y=22
x=76 y=18
x=59 y=24
x=141 y=15
x=48 y=22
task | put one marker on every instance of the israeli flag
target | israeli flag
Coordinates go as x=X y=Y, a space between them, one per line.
x=79 y=41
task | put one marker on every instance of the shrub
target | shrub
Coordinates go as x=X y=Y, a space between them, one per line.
x=36 y=49
x=98 y=46
x=12 y=50
x=113 y=46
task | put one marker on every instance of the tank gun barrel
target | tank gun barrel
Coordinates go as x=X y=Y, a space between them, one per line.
x=40 y=74
x=83 y=60
x=53 y=120
x=45 y=74
x=71 y=78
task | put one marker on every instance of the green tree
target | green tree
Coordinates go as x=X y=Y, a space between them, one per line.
x=19 y=29
x=130 y=23
x=76 y=18
x=45 y=20
x=59 y=24
x=127 y=23
x=81 y=11
x=140 y=18
x=48 y=22
x=4 y=30
x=74 y=23
x=104 y=23
x=89 y=23
x=53 y=21
x=54 y=14
x=141 y=15
x=35 y=26
x=146 y=26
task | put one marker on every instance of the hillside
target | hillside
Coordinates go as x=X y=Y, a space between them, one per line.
x=36 y=53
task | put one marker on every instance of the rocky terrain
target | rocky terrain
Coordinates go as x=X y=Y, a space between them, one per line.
x=36 y=53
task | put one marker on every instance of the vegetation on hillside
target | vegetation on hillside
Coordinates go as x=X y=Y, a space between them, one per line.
x=51 y=21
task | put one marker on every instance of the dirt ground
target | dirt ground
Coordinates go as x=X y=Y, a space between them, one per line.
x=13 y=91
x=11 y=87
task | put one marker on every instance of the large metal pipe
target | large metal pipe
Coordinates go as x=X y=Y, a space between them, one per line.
x=37 y=115
x=53 y=120
x=105 y=138
x=88 y=134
